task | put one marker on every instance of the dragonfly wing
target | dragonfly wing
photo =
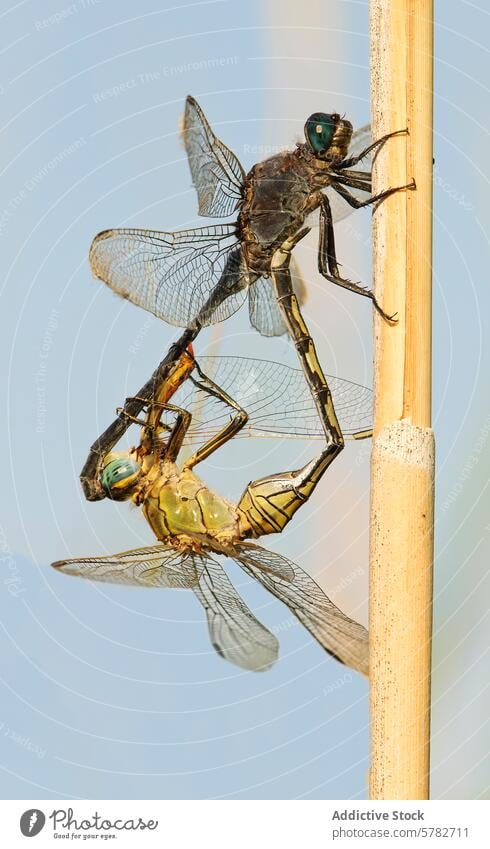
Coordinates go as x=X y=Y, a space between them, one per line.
x=339 y=635
x=268 y=561
x=264 y=312
x=276 y=398
x=216 y=172
x=155 y=566
x=184 y=277
x=234 y=631
x=361 y=139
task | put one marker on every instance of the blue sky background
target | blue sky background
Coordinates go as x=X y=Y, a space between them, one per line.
x=113 y=693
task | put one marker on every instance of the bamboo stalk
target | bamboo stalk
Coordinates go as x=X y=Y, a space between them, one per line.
x=402 y=469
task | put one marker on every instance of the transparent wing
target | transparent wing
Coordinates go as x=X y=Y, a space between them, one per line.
x=182 y=277
x=233 y=629
x=155 y=566
x=264 y=312
x=339 y=635
x=360 y=140
x=216 y=172
x=276 y=398
x=268 y=562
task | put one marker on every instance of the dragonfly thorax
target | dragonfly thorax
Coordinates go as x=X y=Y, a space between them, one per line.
x=179 y=506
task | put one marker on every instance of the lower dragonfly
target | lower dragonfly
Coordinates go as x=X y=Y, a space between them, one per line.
x=194 y=524
x=316 y=381
x=194 y=278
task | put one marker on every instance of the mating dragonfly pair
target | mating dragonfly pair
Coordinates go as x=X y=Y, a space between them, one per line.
x=194 y=278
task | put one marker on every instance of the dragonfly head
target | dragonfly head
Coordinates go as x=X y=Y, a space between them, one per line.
x=328 y=136
x=120 y=475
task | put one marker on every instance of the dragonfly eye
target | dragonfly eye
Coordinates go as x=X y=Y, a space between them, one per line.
x=319 y=131
x=119 y=476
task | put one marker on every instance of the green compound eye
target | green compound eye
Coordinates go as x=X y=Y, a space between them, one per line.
x=119 y=475
x=319 y=131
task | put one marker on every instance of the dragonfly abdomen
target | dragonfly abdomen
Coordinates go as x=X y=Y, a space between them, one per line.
x=268 y=504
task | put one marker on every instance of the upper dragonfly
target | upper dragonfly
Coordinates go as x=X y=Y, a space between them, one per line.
x=193 y=278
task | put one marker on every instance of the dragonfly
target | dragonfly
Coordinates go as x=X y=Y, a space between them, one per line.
x=201 y=276
x=195 y=525
x=194 y=278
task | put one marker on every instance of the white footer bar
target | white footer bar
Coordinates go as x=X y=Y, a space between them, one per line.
x=244 y=824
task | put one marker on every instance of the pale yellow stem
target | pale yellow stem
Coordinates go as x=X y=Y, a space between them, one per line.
x=402 y=494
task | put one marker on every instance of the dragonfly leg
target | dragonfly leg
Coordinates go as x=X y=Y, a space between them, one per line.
x=340 y=183
x=131 y=419
x=152 y=427
x=374 y=147
x=237 y=421
x=361 y=180
x=327 y=259
x=299 y=333
x=123 y=411
x=181 y=425
x=268 y=504
x=90 y=474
